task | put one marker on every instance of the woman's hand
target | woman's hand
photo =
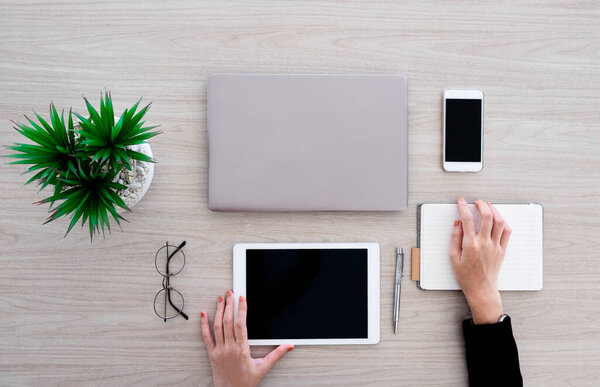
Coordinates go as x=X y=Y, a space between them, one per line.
x=476 y=258
x=229 y=352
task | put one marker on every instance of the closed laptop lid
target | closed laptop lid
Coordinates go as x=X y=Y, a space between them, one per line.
x=307 y=142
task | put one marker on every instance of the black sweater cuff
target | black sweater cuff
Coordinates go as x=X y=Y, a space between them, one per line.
x=492 y=356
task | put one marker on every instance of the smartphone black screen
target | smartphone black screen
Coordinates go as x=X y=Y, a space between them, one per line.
x=463 y=130
x=307 y=293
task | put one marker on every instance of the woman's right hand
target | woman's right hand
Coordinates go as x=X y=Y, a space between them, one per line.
x=476 y=258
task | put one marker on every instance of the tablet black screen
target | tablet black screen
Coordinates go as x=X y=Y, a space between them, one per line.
x=307 y=294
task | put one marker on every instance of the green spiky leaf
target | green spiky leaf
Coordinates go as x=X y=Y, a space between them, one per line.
x=91 y=195
x=52 y=150
x=109 y=142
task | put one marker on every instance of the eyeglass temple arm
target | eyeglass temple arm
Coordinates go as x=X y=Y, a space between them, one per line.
x=185 y=316
x=174 y=252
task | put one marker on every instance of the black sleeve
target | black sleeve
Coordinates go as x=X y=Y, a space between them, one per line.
x=492 y=357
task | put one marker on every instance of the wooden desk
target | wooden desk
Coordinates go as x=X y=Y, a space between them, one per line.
x=76 y=313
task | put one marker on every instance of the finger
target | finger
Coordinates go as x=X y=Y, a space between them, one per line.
x=499 y=224
x=206 y=336
x=275 y=355
x=456 y=242
x=505 y=236
x=228 y=319
x=241 y=331
x=466 y=216
x=219 y=339
x=487 y=218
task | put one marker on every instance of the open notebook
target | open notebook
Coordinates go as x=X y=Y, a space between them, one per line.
x=522 y=268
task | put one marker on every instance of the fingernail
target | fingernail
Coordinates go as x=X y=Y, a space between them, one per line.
x=229 y=293
x=461 y=199
x=221 y=299
x=489 y=203
x=202 y=314
x=242 y=298
x=290 y=348
x=455 y=223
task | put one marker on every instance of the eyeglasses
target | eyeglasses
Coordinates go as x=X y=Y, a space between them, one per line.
x=169 y=261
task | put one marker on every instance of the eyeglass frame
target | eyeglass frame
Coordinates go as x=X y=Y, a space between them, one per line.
x=166 y=282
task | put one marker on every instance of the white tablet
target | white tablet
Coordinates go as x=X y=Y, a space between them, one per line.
x=309 y=293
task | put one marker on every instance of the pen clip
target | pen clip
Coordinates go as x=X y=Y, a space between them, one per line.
x=399 y=265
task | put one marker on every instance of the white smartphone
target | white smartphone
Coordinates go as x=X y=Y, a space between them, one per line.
x=463 y=130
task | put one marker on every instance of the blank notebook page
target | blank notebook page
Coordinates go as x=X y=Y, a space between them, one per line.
x=522 y=268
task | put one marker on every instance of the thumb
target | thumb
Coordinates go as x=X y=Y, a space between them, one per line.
x=275 y=355
x=456 y=242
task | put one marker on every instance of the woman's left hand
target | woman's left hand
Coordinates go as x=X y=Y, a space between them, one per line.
x=229 y=351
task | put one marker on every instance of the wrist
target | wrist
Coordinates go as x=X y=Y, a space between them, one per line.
x=486 y=309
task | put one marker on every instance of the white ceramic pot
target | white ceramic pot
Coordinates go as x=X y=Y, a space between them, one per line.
x=142 y=174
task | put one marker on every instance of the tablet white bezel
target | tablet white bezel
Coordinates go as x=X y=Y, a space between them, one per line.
x=239 y=287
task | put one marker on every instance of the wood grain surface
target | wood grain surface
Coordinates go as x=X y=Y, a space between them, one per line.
x=75 y=313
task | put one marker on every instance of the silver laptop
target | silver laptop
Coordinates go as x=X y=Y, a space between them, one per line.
x=307 y=142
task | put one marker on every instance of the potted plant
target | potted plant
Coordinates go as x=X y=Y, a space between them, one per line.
x=94 y=166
